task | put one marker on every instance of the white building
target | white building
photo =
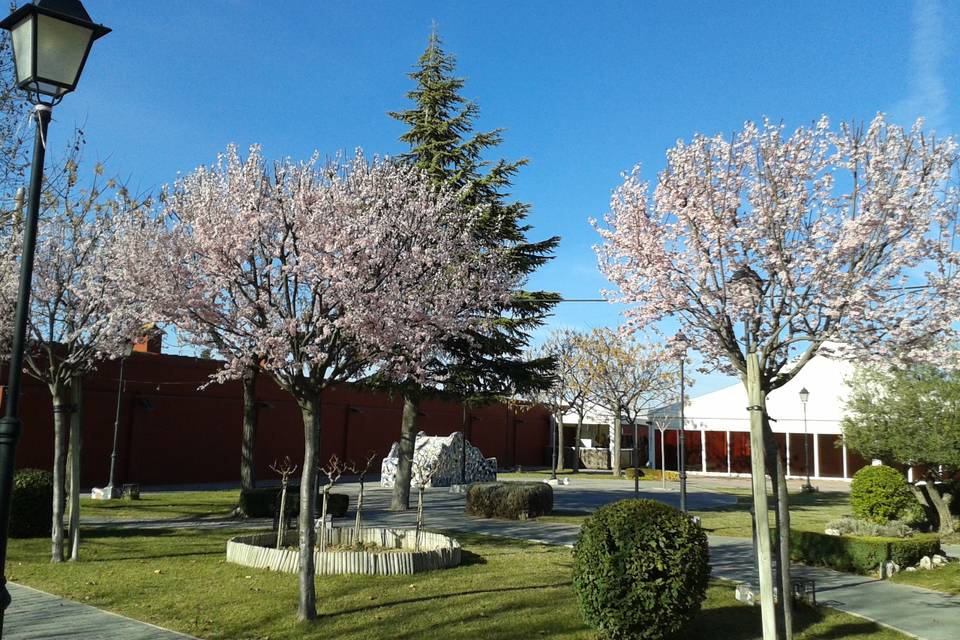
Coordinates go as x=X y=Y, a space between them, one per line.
x=717 y=427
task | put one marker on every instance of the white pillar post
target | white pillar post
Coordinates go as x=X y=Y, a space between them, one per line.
x=816 y=455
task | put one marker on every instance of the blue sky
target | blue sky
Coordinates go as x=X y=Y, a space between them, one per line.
x=584 y=90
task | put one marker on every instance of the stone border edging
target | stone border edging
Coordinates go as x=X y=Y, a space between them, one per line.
x=437 y=551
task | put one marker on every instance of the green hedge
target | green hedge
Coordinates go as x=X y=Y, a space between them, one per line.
x=265 y=503
x=640 y=570
x=31 y=504
x=511 y=500
x=858 y=554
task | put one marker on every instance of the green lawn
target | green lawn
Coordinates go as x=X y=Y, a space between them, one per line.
x=809 y=511
x=505 y=589
x=164 y=506
x=946 y=579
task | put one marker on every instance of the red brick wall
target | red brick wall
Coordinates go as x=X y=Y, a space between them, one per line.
x=171 y=432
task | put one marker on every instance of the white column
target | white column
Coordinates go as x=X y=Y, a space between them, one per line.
x=846 y=472
x=816 y=455
x=703 y=451
x=788 y=453
x=728 y=452
x=651 y=445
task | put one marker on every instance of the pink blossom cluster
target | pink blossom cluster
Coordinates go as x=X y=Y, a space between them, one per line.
x=817 y=235
x=316 y=271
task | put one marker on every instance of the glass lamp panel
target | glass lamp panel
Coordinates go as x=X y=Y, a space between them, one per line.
x=61 y=47
x=22 y=35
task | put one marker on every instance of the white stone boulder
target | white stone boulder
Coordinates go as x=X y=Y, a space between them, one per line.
x=926 y=562
x=440 y=455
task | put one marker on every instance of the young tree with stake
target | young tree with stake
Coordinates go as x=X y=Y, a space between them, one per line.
x=768 y=244
x=315 y=273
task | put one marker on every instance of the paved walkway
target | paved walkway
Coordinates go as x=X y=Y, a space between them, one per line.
x=35 y=615
x=923 y=614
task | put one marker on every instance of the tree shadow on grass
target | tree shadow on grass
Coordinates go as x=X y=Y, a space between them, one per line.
x=469 y=559
x=443 y=596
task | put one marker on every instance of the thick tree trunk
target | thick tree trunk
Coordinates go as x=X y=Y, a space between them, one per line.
x=249 y=437
x=310 y=408
x=781 y=505
x=617 y=431
x=61 y=426
x=576 y=444
x=941 y=503
x=400 y=501
x=74 y=457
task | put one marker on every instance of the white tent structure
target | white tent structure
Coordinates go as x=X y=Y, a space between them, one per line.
x=717 y=426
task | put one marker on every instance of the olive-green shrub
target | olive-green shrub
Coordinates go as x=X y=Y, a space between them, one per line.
x=265 y=503
x=31 y=504
x=510 y=500
x=880 y=493
x=859 y=554
x=640 y=570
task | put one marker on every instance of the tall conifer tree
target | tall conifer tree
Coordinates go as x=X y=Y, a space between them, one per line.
x=490 y=363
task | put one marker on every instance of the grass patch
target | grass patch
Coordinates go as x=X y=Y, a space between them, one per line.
x=945 y=579
x=505 y=589
x=164 y=506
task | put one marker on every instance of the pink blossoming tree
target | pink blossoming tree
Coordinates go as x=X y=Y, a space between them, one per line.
x=820 y=235
x=316 y=273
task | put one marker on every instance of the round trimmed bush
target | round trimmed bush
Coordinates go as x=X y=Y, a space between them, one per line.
x=31 y=504
x=879 y=494
x=640 y=570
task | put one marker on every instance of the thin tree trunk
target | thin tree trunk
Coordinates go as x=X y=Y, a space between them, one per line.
x=310 y=408
x=75 y=456
x=248 y=439
x=356 y=525
x=941 y=503
x=61 y=425
x=560 y=463
x=616 y=444
x=400 y=501
x=576 y=444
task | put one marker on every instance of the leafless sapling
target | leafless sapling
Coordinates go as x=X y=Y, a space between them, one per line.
x=285 y=469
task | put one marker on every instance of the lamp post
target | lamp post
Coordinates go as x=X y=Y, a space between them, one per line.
x=111 y=492
x=804 y=396
x=51 y=41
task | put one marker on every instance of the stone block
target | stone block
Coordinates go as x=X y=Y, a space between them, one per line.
x=441 y=455
x=939 y=560
x=926 y=562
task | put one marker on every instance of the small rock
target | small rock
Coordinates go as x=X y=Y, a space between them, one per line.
x=832 y=532
x=910 y=569
x=939 y=560
x=926 y=562
x=158 y=571
x=892 y=568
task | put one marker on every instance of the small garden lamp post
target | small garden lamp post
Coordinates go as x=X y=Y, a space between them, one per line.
x=804 y=396
x=111 y=491
x=51 y=40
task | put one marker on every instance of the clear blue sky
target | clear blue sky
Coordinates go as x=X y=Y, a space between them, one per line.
x=585 y=90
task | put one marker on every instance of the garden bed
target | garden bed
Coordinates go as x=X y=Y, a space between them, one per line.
x=396 y=553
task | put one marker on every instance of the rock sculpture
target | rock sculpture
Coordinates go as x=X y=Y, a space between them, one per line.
x=443 y=454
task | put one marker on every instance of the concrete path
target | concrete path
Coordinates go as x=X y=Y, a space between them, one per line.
x=920 y=613
x=35 y=615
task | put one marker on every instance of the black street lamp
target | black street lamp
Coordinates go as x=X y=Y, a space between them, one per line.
x=111 y=491
x=804 y=396
x=51 y=40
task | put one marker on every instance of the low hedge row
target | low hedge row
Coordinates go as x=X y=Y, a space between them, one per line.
x=265 y=503
x=651 y=474
x=510 y=500
x=31 y=504
x=859 y=554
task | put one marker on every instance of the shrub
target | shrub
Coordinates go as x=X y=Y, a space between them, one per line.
x=265 y=503
x=880 y=493
x=511 y=500
x=260 y=503
x=858 y=554
x=640 y=570
x=338 y=504
x=31 y=504
x=651 y=474
x=852 y=526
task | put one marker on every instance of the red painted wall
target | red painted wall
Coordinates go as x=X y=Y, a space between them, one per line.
x=171 y=432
